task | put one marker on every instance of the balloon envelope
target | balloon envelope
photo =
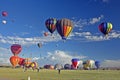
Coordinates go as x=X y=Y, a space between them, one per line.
x=16 y=49
x=97 y=64
x=67 y=66
x=14 y=60
x=105 y=27
x=45 y=33
x=75 y=62
x=51 y=24
x=21 y=61
x=64 y=27
x=39 y=45
x=4 y=21
x=4 y=13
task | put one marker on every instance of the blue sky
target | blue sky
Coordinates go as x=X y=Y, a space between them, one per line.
x=26 y=25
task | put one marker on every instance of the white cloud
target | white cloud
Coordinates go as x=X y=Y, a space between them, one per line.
x=111 y=63
x=96 y=19
x=4 y=56
x=84 y=22
x=105 y=1
x=88 y=36
x=28 y=40
x=57 y=57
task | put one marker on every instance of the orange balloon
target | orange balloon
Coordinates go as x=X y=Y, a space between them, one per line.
x=14 y=60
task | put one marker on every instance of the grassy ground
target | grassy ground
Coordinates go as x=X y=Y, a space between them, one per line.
x=18 y=74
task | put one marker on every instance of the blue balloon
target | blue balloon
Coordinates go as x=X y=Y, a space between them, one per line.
x=97 y=64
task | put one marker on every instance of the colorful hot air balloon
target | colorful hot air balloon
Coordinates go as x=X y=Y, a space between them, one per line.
x=105 y=27
x=88 y=64
x=64 y=27
x=4 y=13
x=75 y=62
x=97 y=64
x=14 y=60
x=51 y=24
x=16 y=49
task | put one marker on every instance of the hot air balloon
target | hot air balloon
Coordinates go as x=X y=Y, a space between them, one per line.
x=51 y=24
x=4 y=21
x=64 y=27
x=97 y=64
x=105 y=27
x=39 y=45
x=88 y=64
x=67 y=66
x=45 y=33
x=21 y=61
x=16 y=49
x=4 y=13
x=75 y=62
x=14 y=60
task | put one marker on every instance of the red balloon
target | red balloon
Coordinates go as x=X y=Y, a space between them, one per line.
x=21 y=61
x=14 y=60
x=4 y=13
x=46 y=34
x=75 y=62
x=16 y=49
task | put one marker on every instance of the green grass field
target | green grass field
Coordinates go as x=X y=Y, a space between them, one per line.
x=19 y=74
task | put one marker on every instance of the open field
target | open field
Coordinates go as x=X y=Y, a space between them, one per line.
x=18 y=74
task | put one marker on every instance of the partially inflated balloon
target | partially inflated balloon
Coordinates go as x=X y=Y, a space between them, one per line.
x=105 y=27
x=64 y=27
x=51 y=24
x=97 y=64
x=16 y=49
x=14 y=60
x=75 y=62
x=21 y=61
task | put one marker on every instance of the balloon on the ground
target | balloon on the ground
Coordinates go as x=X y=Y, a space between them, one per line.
x=14 y=60
x=97 y=64
x=16 y=49
x=75 y=62
x=48 y=66
x=88 y=64
x=105 y=27
x=64 y=27
x=51 y=24
x=21 y=61
x=67 y=66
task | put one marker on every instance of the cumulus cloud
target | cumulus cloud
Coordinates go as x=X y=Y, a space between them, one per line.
x=84 y=22
x=28 y=40
x=88 y=36
x=55 y=57
x=111 y=63
x=4 y=56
